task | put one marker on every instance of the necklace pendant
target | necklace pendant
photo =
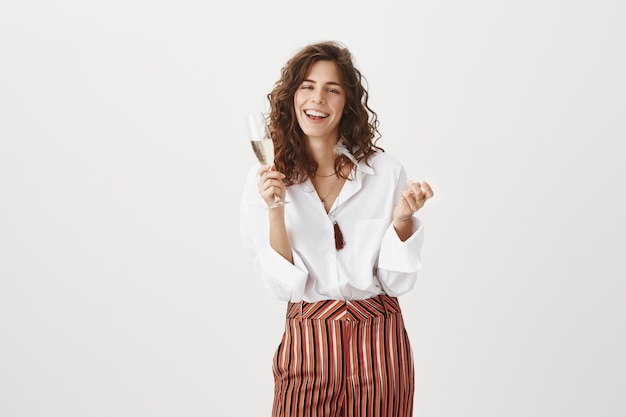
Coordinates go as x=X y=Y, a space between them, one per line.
x=339 y=242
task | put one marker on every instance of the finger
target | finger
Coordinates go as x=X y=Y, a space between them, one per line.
x=416 y=189
x=270 y=175
x=268 y=169
x=420 y=196
x=412 y=185
x=263 y=168
x=410 y=201
x=274 y=175
x=269 y=194
x=428 y=191
x=272 y=182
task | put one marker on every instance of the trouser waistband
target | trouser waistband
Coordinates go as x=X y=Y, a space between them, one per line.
x=354 y=310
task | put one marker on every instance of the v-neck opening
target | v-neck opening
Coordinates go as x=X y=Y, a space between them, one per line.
x=335 y=200
x=350 y=187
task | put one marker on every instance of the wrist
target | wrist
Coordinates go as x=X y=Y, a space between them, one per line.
x=277 y=212
x=403 y=227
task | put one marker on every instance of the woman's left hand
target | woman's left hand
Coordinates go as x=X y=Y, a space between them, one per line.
x=413 y=199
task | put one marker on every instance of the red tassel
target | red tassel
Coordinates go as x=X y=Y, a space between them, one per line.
x=339 y=242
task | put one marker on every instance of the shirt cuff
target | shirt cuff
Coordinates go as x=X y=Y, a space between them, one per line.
x=396 y=255
x=286 y=281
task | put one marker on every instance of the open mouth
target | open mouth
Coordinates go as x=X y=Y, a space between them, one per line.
x=315 y=114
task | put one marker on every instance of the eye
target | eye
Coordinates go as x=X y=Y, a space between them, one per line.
x=334 y=91
x=306 y=87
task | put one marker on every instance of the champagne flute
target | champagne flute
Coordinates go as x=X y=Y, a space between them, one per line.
x=262 y=145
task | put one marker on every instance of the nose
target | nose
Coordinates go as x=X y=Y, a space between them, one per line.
x=318 y=96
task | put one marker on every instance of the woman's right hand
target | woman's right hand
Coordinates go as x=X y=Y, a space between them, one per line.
x=270 y=184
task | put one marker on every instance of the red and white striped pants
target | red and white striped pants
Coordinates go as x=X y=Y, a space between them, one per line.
x=344 y=359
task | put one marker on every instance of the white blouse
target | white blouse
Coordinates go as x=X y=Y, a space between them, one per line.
x=373 y=261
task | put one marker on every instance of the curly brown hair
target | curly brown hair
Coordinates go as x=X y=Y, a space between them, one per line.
x=358 y=126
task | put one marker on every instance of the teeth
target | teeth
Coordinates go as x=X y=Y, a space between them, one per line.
x=315 y=113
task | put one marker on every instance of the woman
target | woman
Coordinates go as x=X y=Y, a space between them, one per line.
x=343 y=248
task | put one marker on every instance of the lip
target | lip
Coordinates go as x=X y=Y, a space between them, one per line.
x=316 y=110
x=310 y=119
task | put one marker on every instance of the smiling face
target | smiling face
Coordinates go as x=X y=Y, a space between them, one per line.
x=319 y=102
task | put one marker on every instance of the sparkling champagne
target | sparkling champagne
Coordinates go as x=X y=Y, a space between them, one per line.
x=262 y=145
x=264 y=150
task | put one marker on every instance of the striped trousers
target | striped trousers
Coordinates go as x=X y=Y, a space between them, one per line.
x=344 y=359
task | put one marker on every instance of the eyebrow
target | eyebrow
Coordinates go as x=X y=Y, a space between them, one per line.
x=328 y=83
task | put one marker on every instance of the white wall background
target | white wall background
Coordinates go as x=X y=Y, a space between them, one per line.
x=123 y=287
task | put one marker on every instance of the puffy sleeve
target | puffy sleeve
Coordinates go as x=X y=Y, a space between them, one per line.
x=284 y=280
x=399 y=261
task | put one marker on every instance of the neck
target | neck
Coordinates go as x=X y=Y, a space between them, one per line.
x=322 y=152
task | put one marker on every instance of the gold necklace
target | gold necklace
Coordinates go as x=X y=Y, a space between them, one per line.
x=323 y=199
x=332 y=173
x=325 y=176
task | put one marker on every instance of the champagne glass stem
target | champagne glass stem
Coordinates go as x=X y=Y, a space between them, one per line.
x=277 y=201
